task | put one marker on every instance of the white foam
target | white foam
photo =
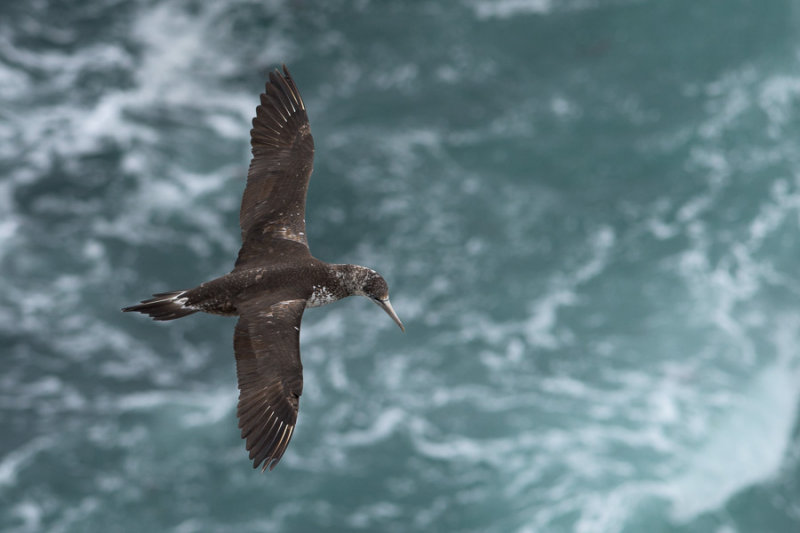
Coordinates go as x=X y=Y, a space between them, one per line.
x=504 y=9
x=385 y=425
x=13 y=462
x=12 y=81
x=729 y=98
x=746 y=447
x=203 y=409
x=776 y=97
x=372 y=515
x=540 y=329
x=30 y=513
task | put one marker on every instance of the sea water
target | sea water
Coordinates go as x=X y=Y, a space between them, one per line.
x=587 y=211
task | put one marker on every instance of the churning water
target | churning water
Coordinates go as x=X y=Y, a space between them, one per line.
x=587 y=211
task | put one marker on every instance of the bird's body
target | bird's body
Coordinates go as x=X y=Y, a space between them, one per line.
x=275 y=277
x=316 y=282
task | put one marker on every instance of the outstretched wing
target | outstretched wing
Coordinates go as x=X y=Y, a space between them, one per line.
x=267 y=347
x=272 y=216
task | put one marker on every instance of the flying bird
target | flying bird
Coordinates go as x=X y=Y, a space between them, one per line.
x=275 y=277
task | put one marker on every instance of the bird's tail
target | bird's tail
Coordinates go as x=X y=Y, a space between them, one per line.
x=164 y=306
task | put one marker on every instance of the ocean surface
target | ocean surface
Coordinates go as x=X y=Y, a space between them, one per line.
x=588 y=212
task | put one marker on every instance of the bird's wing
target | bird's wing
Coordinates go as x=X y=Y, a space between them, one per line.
x=267 y=347
x=272 y=216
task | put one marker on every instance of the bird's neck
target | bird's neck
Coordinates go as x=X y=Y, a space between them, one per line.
x=342 y=281
x=351 y=278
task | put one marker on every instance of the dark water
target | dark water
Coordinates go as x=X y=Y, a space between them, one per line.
x=587 y=211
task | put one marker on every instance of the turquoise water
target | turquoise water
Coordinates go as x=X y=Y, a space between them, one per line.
x=587 y=212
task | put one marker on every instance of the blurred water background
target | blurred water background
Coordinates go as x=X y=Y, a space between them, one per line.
x=587 y=212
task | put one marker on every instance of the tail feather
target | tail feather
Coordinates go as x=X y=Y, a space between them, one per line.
x=164 y=306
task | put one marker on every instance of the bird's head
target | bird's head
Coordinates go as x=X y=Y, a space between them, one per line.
x=374 y=287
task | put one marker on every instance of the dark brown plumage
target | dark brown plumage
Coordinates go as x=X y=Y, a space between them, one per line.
x=275 y=277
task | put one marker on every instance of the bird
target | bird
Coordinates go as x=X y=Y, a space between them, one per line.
x=275 y=278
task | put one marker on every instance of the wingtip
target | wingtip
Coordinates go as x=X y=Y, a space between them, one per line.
x=268 y=463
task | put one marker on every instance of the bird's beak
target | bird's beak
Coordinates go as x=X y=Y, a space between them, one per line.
x=386 y=305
